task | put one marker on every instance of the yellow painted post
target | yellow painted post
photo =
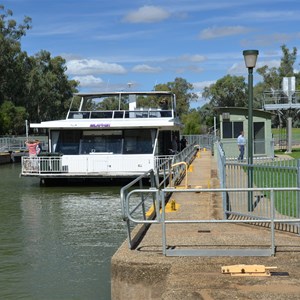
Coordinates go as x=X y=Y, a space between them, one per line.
x=173 y=205
x=208 y=184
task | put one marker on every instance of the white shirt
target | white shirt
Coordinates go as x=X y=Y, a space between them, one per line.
x=241 y=140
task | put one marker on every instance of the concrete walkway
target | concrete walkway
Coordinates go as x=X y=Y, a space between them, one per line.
x=145 y=273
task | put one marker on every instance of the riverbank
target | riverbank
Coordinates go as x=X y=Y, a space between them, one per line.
x=12 y=156
x=5 y=158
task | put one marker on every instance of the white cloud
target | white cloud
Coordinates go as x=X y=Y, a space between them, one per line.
x=92 y=67
x=193 y=58
x=147 y=14
x=145 y=69
x=240 y=68
x=271 y=15
x=271 y=39
x=88 y=81
x=189 y=68
x=216 y=32
x=202 y=84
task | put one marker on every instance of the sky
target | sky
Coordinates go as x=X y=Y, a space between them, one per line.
x=119 y=45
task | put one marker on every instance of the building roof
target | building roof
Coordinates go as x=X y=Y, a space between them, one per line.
x=244 y=112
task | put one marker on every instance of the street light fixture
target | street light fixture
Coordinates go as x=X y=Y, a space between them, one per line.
x=250 y=57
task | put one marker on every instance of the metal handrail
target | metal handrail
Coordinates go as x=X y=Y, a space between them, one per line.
x=160 y=219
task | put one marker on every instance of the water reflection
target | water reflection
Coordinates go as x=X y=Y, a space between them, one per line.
x=56 y=243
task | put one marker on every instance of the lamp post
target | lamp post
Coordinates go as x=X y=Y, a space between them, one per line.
x=250 y=57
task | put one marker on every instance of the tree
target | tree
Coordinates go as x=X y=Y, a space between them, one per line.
x=191 y=122
x=272 y=80
x=288 y=60
x=37 y=83
x=229 y=91
x=49 y=90
x=183 y=91
x=12 y=59
x=272 y=77
x=12 y=118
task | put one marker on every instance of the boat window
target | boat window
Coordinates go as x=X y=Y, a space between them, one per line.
x=106 y=141
x=118 y=114
x=166 y=113
x=101 y=114
x=140 y=141
x=79 y=115
x=65 y=141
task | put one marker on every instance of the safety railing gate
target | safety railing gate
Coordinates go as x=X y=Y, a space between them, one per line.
x=158 y=199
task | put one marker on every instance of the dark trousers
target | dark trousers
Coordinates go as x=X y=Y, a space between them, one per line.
x=242 y=151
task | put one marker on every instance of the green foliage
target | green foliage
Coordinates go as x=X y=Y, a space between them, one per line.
x=272 y=77
x=288 y=60
x=183 y=91
x=13 y=61
x=191 y=122
x=48 y=87
x=34 y=86
x=12 y=118
x=228 y=91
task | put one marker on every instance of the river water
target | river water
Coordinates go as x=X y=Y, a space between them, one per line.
x=56 y=242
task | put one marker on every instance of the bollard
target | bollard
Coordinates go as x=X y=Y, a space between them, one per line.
x=191 y=168
x=173 y=205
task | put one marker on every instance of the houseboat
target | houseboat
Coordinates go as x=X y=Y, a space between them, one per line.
x=109 y=135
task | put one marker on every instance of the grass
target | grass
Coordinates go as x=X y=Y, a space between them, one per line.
x=275 y=174
x=277 y=131
x=295 y=153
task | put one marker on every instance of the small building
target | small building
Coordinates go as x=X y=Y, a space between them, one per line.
x=233 y=120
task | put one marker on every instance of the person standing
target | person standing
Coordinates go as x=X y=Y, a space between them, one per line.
x=183 y=143
x=32 y=151
x=241 y=141
x=32 y=147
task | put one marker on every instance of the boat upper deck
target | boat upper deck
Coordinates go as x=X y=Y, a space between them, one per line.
x=118 y=109
x=121 y=114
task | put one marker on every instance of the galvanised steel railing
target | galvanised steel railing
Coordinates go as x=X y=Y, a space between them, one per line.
x=160 y=178
x=267 y=216
x=18 y=143
x=267 y=173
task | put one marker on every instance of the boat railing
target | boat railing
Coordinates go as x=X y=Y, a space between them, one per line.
x=57 y=163
x=121 y=114
x=42 y=165
x=54 y=163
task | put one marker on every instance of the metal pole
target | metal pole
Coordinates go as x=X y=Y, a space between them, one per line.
x=215 y=127
x=289 y=133
x=26 y=126
x=298 y=194
x=250 y=138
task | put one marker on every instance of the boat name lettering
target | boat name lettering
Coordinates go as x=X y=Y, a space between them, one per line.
x=99 y=125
